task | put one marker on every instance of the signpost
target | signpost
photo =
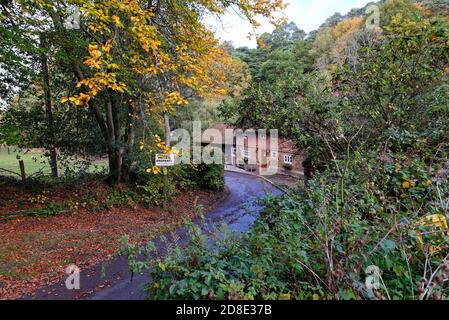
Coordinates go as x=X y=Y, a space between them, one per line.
x=164 y=161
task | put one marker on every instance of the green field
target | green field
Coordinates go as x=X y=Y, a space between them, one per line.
x=34 y=162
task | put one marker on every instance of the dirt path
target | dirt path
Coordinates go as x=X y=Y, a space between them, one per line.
x=113 y=280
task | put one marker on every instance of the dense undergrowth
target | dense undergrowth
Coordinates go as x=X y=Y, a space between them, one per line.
x=346 y=231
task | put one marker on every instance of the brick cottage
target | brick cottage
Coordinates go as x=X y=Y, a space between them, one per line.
x=254 y=151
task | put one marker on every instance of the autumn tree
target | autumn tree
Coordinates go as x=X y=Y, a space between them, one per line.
x=278 y=69
x=331 y=44
x=207 y=110
x=401 y=71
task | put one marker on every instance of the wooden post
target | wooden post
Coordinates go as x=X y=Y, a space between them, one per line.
x=22 y=170
x=164 y=169
x=48 y=107
x=164 y=203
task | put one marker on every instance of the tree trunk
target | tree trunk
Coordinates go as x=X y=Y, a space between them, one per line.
x=129 y=140
x=48 y=108
x=114 y=153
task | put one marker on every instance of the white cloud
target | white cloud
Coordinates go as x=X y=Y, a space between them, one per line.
x=307 y=14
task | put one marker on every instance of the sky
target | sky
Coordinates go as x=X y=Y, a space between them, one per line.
x=307 y=14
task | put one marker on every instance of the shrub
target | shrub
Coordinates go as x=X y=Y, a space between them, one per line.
x=209 y=176
x=120 y=197
x=152 y=193
x=180 y=177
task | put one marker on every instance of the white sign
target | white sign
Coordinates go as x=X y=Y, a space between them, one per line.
x=165 y=160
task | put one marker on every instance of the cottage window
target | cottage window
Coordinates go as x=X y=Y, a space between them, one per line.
x=288 y=159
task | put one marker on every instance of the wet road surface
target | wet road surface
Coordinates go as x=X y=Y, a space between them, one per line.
x=113 y=280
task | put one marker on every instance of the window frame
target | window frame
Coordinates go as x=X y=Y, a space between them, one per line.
x=288 y=159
